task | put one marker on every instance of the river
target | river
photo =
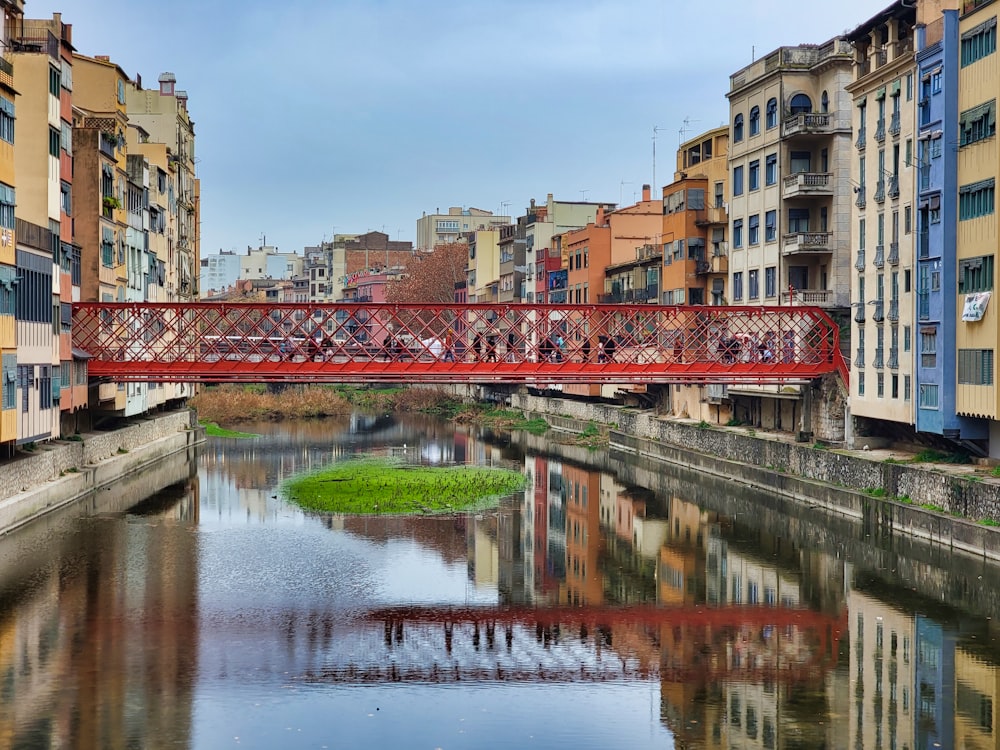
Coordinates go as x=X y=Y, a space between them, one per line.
x=615 y=603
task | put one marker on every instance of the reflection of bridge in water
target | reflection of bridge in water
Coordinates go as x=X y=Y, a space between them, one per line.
x=570 y=644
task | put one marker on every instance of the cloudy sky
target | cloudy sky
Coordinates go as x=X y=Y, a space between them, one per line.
x=322 y=116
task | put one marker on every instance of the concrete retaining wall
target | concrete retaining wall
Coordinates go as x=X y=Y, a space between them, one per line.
x=62 y=472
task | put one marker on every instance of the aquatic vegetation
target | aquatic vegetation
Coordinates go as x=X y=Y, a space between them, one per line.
x=369 y=486
x=213 y=430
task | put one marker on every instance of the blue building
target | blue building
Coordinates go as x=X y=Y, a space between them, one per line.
x=936 y=220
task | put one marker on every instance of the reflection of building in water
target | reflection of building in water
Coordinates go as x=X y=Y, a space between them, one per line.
x=75 y=651
x=540 y=582
x=881 y=673
x=977 y=687
x=584 y=582
x=934 y=684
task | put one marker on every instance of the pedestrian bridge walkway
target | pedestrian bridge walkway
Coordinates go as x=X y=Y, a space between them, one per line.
x=462 y=343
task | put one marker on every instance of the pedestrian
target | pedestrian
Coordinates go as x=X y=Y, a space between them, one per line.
x=585 y=350
x=609 y=349
x=602 y=356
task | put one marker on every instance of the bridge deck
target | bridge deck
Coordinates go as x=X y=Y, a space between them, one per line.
x=473 y=343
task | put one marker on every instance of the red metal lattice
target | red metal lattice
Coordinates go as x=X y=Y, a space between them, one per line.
x=532 y=344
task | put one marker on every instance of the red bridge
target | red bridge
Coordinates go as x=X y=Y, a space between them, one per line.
x=470 y=343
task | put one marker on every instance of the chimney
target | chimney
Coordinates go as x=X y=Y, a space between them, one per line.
x=599 y=219
x=645 y=192
x=167 y=81
x=102 y=58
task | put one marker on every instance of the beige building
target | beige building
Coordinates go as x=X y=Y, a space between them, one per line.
x=882 y=235
x=483 y=270
x=442 y=229
x=977 y=246
x=163 y=114
x=790 y=197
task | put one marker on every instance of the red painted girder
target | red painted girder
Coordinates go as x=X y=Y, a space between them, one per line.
x=534 y=344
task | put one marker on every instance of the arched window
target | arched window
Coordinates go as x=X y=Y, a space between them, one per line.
x=738 y=128
x=772 y=113
x=824 y=103
x=800 y=104
x=755 y=121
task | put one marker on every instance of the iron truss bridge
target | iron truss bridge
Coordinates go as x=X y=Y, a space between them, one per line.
x=538 y=345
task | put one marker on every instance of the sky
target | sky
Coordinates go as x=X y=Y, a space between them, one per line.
x=316 y=117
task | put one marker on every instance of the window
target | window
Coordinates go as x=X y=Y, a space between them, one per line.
x=738 y=286
x=979 y=42
x=880 y=385
x=121 y=91
x=753 y=230
x=738 y=180
x=770 y=226
x=771 y=169
x=928 y=396
x=753 y=284
x=720 y=194
x=909 y=87
x=907 y=338
x=66 y=198
x=6 y=120
x=936 y=82
x=54 y=82
x=770 y=281
x=54 y=144
x=934 y=146
x=928 y=348
x=738 y=128
x=861 y=383
x=976 y=200
x=907 y=219
x=107 y=248
x=798 y=220
x=975 y=274
x=906 y=388
x=753 y=177
x=978 y=123
x=975 y=366
x=772 y=113
x=737 y=232
x=7 y=203
x=800 y=104
x=755 y=121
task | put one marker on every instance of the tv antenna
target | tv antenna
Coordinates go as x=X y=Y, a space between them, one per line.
x=684 y=129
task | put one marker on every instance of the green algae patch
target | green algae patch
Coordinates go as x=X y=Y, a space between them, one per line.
x=213 y=430
x=383 y=487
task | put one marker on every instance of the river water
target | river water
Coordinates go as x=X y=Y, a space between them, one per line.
x=613 y=604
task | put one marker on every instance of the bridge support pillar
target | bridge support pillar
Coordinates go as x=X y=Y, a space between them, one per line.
x=805 y=434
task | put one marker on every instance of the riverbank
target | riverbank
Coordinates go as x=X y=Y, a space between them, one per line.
x=954 y=505
x=62 y=472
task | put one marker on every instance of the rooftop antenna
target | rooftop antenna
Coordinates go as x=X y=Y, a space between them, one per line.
x=684 y=129
x=584 y=193
x=656 y=129
x=621 y=190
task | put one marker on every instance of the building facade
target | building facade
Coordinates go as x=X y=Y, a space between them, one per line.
x=976 y=341
x=884 y=176
x=444 y=229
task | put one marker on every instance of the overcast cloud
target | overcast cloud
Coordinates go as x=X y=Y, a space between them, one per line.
x=322 y=116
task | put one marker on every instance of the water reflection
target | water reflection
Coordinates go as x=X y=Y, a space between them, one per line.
x=637 y=604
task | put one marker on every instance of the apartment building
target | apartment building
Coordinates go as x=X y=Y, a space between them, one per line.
x=41 y=52
x=482 y=273
x=790 y=196
x=163 y=114
x=10 y=12
x=443 y=229
x=978 y=78
x=882 y=233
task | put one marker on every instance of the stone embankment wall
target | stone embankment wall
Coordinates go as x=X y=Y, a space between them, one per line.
x=888 y=494
x=63 y=471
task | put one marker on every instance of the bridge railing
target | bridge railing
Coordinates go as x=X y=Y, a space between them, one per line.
x=346 y=342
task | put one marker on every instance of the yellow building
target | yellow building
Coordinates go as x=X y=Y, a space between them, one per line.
x=11 y=10
x=483 y=269
x=977 y=241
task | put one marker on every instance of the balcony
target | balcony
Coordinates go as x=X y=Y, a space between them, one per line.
x=862 y=137
x=879 y=362
x=879 y=192
x=893 y=253
x=894 y=124
x=6 y=72
x=711 y=215
x=808 y=123
x=879 y=260
x=807 y=242
x=894 y=187
x=893 y=310
x=880 y=130
x=893 y=357
x=878 y=315
x=720 y=263
x=702 y=267
x=859 y=201
x=859 y=359
x=808 y=184
x=859 y=312
x=860 y=262
x=817 y=297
